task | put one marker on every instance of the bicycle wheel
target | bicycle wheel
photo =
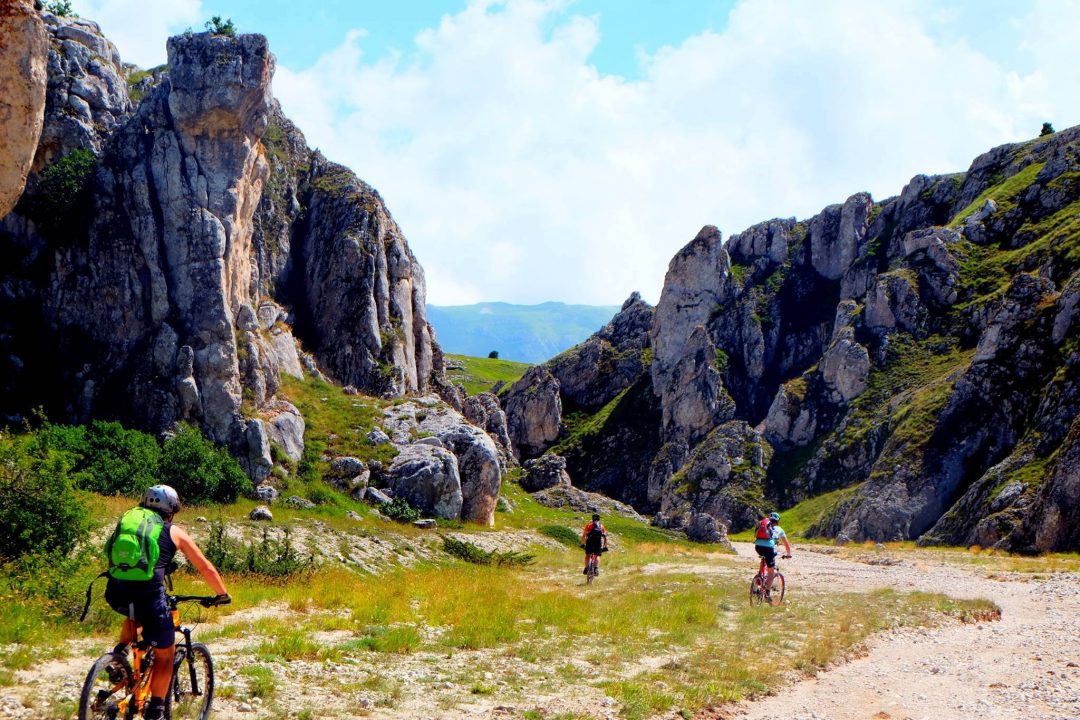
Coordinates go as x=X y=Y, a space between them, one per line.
x=777 y=589
x=105 y=686
x=756 y=594
x=192 y=689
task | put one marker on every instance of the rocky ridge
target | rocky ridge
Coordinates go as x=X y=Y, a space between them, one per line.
x=915 y=356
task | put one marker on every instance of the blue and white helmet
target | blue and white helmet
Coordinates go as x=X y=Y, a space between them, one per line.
x=775 y=517
x=162 y=498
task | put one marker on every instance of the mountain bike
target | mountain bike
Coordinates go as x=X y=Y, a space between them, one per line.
x=757 y=585
x=592 y=569
x=116 y=689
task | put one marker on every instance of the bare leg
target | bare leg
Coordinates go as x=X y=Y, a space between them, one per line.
x=128 y=632
x=161 y=673
x=768 y=579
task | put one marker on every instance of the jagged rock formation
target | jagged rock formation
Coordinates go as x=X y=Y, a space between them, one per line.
x=916 y=356
x=601 y=376
x=174 y=236
x=24 y=51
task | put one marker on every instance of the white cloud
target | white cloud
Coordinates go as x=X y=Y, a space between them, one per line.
x=518 y=172
x=139 y=28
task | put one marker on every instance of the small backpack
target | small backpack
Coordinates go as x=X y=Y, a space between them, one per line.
x=132 y=549
x=764 y=532
x=596 y=532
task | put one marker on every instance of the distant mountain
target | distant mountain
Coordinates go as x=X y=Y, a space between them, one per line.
x=527 y=333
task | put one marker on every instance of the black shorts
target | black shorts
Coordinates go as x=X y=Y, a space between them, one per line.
x=769 y=553
x=594 y=548
x=146 y=604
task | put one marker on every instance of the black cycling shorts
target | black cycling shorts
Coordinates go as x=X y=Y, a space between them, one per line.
x=594 y=547
x=769 y=553
x=147 y=605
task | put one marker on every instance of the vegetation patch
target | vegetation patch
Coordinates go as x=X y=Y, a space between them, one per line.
x=1004 y=194
x=482 y=374
x=468 y=552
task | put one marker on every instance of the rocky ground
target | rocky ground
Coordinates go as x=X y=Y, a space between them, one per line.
x=1025 y=665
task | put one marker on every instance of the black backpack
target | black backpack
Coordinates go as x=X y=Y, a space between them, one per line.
x=596 y=533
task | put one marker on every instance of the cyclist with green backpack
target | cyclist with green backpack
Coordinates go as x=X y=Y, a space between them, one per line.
x=140 y=552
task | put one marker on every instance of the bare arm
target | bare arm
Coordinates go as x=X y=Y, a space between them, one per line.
x=191 y=551
x=787 y=545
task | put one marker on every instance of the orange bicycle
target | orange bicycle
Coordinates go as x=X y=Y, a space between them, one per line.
x=116 y=689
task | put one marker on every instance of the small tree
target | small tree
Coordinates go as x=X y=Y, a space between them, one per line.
x=494 y=355
x=1047 y=129
x=219 y=26
x=61 y=8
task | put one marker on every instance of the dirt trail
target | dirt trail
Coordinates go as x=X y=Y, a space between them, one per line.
x=1027 y=665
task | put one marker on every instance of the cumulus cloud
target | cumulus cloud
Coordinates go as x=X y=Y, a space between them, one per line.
x=520 y=172
x=139 y=28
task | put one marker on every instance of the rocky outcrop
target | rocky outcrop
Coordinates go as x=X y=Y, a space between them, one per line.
x=592 y=373
x=201 y=239
x=544 y=472
x=429 y=422
x=484 y=411
x=24 y=52
x=427 y=477
x=533 y=412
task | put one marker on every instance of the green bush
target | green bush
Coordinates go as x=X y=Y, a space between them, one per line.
x=200 y=471
x=478 y=556
x=107 y=458
x=39 y=510
x=219 y=26
x=400 y=510
x=268 y=557
x=561 y=533
x=60 y=8
x=62 y=199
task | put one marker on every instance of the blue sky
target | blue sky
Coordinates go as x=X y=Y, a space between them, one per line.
x=539 y=150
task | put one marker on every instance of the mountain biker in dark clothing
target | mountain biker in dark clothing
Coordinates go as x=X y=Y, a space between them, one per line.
x=594 y=540
x=143 y=603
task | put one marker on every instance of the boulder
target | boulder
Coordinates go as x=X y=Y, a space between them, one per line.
x=484 y=411
x=266 y=493
x=295 y=501
x=378 y=437
x=790 y=421
x=286 y=428
x=428 y=479
x=261 y=514
x=704 y=528
x=545 y=471
x=346 y=466
x=376 y=496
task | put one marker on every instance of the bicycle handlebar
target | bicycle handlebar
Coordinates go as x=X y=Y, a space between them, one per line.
x=204 y=600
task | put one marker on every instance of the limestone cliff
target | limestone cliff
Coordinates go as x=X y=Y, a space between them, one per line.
x=167 y=250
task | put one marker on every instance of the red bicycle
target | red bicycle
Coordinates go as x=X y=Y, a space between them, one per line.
x=775 y=594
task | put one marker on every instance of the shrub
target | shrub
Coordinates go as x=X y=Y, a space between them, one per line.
x=62 y=199
x=478 y=556
x=39 y=510
x=106 y=457
x=493 y=355
x=219 y=26
x=561 y=533
x=60 y=8
x=200 y=471
x=1047 y=129
x=269 y=557
x=400 y=510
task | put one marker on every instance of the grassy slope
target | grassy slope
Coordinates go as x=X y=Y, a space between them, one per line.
x=480 y=374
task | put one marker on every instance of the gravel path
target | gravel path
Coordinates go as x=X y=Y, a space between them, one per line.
x=1027 y=665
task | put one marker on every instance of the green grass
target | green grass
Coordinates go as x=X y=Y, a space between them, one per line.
x=481 y=374
x=1003 y=193
x=336 y=423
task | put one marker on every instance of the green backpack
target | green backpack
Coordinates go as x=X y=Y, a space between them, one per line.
x=133 y=548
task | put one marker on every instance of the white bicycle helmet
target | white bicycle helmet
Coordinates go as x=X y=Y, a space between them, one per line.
x=163 y=498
